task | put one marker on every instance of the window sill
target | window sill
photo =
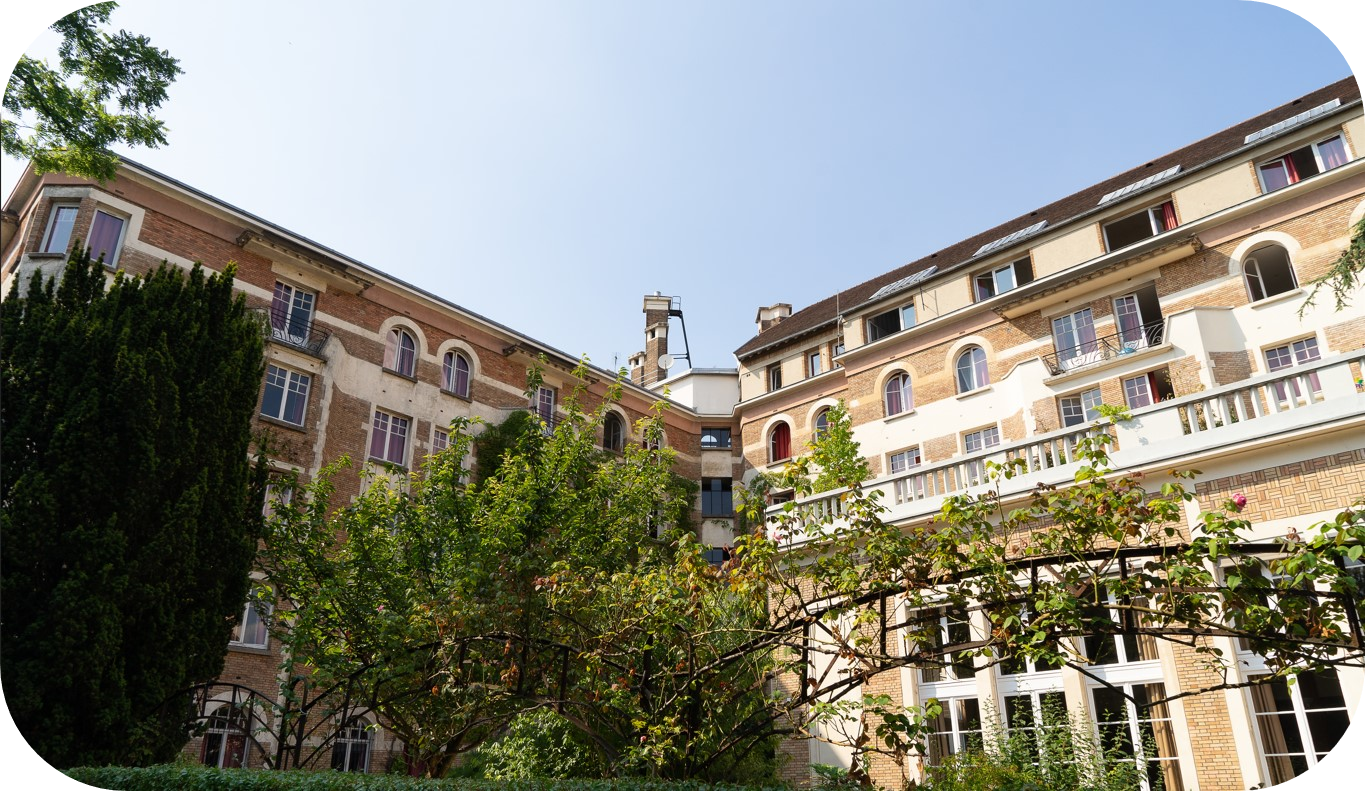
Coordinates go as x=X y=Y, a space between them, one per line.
x=388 y=464
x=730 y=515
x=1283 y=296
x=898 y=416
x=274 y=421
x=400 y=375
x=779 y=463
x=243 y=648
x=450 y=393
x=46 y=256
x=976 y=392
x=718 y=447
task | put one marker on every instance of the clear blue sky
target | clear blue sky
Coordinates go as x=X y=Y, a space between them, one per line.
x=546 y=164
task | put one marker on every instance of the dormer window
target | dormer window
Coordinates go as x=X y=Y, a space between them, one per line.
x=890 y=322
x=1006 y=278
x=1143 y=225
x=1301 y=163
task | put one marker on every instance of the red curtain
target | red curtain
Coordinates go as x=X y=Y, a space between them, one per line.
x=1168 y=215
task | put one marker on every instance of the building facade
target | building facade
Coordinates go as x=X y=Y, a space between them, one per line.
x=1176 y=288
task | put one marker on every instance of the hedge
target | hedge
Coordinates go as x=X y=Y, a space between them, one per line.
x=193 y=778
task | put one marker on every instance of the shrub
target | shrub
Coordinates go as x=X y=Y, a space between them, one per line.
x=539 y=744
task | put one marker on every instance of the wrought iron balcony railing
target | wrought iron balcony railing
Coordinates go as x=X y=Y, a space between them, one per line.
x=290 y=330
x=1107 y=348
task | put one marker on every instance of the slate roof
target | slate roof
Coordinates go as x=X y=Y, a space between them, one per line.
x=1057 y=213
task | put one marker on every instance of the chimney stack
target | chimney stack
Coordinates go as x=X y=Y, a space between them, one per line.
x=772 y=315
x=656 y=337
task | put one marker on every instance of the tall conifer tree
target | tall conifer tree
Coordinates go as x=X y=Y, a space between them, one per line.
x=130 y=508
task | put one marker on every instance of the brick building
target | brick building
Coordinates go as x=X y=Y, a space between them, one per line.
x=1174 y=288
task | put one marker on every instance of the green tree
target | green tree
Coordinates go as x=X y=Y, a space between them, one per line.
x=62 y=118
x=128 y=521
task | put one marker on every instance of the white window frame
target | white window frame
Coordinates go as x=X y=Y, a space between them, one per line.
x=1154 y=217
x=53 y=213
x=1299 y=352
x=440 y=440
x=450 y=374
x=906 y=394
x=904 y=460
x=112 y=260
x=391 y=424
x=905 y=319
x=958 y=734
x=1300 y=712
x=295 y=301
x=394 y=355
x=347 y=740
x=993 y=283
x=813 y=363
x=1141 y=386
x=1086 y=407
x=231 y=723
x=250 y=614
x=980 y=370
x=774 y=377
x=1134 y=720
x=1080 y=352
x=1315 y=147
x=293 y=384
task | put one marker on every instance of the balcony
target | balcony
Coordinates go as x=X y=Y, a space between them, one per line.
x=1271 y=408
x=1110 y=347
x=288 y=330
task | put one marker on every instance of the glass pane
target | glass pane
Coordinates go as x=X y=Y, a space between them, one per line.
x=104 y=235
x=1321 y=690
x=1274 y=175
x=1326 y=728
x=1004 y=279
x=1332 y=152
x=59 y=236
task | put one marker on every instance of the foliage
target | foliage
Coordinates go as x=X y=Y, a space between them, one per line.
x=1064 y=755
x=129 y=523
x=565 y=578
x=1345 y=274
x=159 y=778
x=492 y=444
x=538 y=744
x=72 y=122
x=836 y=456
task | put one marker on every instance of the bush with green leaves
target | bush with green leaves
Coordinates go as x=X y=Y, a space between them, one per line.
x=540 y=744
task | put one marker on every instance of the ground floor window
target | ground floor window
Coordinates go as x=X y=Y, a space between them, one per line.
x=1298 y=724
x=225 y=744
x=1140 y=730
x=351 y=750
x=956 y=729
x=1036 y=715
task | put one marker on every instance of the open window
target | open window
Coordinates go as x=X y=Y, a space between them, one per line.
x=1303 y=162
x=62 y=219
x=780 y=443
x=1002 y=279
x=1147 y=389
x=890 y=322
x=1268 y=271
x=1145 y=224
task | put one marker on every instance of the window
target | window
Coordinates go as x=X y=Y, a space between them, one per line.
x=252 y=629
x=974 y=442
x=889 y=323
x=614 y=433
x=389 y=439
x=440 y=440
x=1034 y=715
x=1074 y=336
x=821 y=426
x=106 y=232
x=716 y=556
x=286 y=395
x=835 y=350
x=1301 y=163
x=1299 y=352
x=898 y=397
x=1006 y=278
x=956 y=729
x=351 y=749
x=278 y=493
x=291 y=314
x=455 y=374
x=972 y=372
x=225 y=744
x=813 y=363
x=780 y=443
x=1138 y=318
x=1080 y=408
x=1142 y=732
x=544 y=404
x=1268 y=272
x=1298 y=724
x=59 y=225
x=716 y=497
x=775 y=377
x=948 y=628
x=715 y=438
x=903 y=460
x=400 y=352
x=1147 y=389
x=1143 y=225
x=1112 y=649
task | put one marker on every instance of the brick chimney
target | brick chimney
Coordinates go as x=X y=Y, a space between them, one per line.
x=637 y=368
x=772 y=315
x=656 y=337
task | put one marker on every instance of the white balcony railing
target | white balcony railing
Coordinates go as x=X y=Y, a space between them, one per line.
x=1319 y=393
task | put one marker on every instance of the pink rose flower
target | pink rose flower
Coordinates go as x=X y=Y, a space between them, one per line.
x=1239 y=501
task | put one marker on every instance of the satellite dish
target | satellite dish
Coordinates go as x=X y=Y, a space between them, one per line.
x=665 y=361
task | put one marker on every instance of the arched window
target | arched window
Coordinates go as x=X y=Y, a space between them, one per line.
x=613 y=433
x=225 y=743
x=780 y=443
x=351 y=749
x=1268 y=272
x=899 y=397
x=971 y=370
x=455 y=374
x=400 y=352
x=821 y=423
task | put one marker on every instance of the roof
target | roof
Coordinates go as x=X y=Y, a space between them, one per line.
x=1234 y=138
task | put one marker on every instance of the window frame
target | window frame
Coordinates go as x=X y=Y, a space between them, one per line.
x=1085 y=409
x=910 y=458
x=395 y=351
x=987 y=284
x=903 y=391
x=978 y=368
x=289 y=394
x=1314 y=148
x=1134 y=720
x=53 y=213
x=1152 y=385
x=347 y=739
x=1077 y=326
x=252 y=615
x=613 y=441
x=1156 y=222
x=112 y=261
x=450 y=374
x=774 y=377
x=709 y=431
x=900 y=313
x=820 y=424
x=292 y=311
x=223 y=724
x=774 y=446
x=724 y=493
x=1298 y=710
x=1254 y=276
x=391 y=421
x=813 y=361
x=1296 y=357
